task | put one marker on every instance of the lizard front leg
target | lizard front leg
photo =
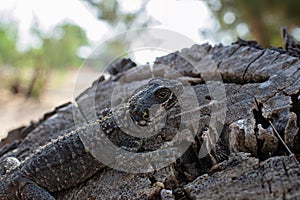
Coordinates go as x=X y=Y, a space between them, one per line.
x=32 y=191
x=129 y=159
x=8 y=164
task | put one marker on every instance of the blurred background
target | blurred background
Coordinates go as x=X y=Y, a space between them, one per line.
x=44 y=43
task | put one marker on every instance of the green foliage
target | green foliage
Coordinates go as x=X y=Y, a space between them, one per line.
x=58 y=51
x=8 y=38
x=110 y=11
x=106 y=10
x=62 y=52
x=119 y=20
x=263 y=17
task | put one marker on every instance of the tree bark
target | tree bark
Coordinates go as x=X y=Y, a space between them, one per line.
x=247 y=161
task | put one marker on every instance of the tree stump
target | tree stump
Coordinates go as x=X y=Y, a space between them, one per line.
x=235 y=156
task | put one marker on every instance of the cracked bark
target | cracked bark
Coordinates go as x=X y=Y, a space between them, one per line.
x=260 y=84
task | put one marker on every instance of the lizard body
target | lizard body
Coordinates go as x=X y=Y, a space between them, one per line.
x=67 y=161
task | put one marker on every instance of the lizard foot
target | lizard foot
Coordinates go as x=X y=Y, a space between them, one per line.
x=8 y=164
x=32 y=191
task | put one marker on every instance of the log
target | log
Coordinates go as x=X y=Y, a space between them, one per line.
x=239 y=90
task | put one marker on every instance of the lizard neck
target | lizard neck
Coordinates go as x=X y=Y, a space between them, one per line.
x=108 y=118
x=107 y=121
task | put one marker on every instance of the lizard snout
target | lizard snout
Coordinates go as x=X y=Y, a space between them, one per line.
x=139 y=115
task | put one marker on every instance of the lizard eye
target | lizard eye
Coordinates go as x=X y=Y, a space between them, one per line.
x=162 y=94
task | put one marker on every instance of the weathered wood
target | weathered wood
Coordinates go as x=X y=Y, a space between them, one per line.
x=243 y=177
x=261 y=85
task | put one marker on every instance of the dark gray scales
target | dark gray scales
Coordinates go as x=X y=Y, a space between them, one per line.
x=66 y=161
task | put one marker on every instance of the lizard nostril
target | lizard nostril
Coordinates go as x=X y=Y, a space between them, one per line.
x=133 y=107
x=146 y=116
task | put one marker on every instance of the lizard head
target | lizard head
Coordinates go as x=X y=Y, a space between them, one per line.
x=148 y=103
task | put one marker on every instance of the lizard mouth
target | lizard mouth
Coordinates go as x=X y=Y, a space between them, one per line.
x=140 y=117
x=171 y=102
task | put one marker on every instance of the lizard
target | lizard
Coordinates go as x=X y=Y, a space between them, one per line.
x=66 y=161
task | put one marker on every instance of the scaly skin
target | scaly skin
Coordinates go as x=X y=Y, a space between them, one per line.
x=66 y=162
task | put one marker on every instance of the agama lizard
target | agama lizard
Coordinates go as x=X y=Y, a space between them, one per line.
x=67 y=161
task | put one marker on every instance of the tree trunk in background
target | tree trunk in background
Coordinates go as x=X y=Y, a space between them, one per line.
x=37 y=83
